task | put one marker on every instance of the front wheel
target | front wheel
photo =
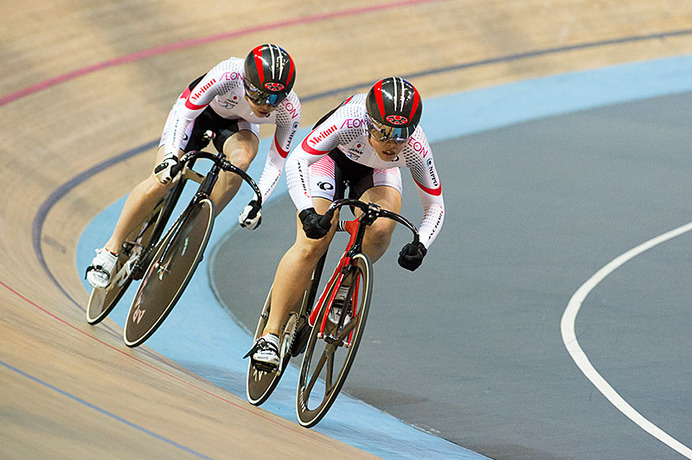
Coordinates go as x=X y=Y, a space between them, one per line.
x=332 y=346
x=171 y=268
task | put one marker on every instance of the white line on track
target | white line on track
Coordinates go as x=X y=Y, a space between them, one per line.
x=570 y=339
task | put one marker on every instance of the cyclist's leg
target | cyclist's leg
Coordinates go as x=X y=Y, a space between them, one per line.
x=240 y=149
x=138 y=204
x=295 y=270
x=386 y=192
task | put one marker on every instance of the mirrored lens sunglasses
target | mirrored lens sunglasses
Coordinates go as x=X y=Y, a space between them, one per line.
x=384 y=133
x=259 y=97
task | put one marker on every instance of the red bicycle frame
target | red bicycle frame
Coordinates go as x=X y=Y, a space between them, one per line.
x=340 y=272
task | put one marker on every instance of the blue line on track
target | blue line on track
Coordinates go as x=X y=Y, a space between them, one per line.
x=103 y=411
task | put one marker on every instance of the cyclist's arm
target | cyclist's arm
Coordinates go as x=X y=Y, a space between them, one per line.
x=287 y=123
x=322 y=140
x=191 y=104
x=429 y=187
x=433 y=217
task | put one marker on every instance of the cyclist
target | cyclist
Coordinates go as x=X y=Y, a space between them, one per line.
x=231 y=101
x=362 y=143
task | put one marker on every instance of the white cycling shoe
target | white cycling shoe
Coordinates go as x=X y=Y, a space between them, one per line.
x=100 y=271
x=266 y=350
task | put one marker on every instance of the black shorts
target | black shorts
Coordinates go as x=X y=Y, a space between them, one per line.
x=349 y=175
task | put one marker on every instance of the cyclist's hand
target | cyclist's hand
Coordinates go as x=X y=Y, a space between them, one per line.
x=411 y=256
x=163 y=170
x=312 y=223
x=251 y=217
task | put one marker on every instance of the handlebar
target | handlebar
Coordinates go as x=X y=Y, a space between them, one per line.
x=220 y=161
x=371 y=212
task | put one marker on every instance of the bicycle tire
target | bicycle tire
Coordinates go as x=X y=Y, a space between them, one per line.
x=260 y=384
x=102 y=301
x=175 y=261
x=310 y=373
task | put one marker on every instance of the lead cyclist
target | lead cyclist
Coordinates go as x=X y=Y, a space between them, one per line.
x=363 y=142
x=231 y=100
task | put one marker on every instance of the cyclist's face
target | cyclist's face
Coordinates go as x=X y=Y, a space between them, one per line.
x=261 y=111
x=387 y=150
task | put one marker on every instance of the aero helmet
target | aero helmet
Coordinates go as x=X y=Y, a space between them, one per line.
x=394 y=109
x=269 y=75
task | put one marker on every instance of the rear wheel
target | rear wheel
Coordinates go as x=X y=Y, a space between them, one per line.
x=171 y=268
x=102 y=301
x=261 y=382
x=332 y=347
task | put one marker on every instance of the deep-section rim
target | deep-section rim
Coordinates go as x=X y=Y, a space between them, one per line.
x=191 y=270
x=365 y=268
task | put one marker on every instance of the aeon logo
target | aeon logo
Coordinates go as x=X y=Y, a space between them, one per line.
x=418 y=146
x=231 y=76
x=396 y=120
x=352 y=123
x=290 y=108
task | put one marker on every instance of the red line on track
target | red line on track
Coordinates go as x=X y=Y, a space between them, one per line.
x=295 y=429
x=127 y=58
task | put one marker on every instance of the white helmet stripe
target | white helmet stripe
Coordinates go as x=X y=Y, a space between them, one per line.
x=273 y=67
x=394 y=99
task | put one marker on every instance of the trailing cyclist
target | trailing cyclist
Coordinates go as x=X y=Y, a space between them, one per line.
x=361 y=144
x=231 y=101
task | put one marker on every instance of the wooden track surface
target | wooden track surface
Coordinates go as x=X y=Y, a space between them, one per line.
x=67 y=104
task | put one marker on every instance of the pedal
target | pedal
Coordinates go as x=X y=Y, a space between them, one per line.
x=264 y=367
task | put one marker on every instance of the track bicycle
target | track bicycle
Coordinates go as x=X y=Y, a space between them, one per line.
x=136 y=251
x=328 y=337
x=166 y=264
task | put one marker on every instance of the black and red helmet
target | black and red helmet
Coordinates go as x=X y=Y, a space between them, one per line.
x=269 y=74
x=394 y=107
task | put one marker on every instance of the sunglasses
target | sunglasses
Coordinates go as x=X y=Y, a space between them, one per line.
x=384 y=133
x=259 y=97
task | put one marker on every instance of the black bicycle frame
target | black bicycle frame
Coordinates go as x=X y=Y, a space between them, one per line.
x=219 y=164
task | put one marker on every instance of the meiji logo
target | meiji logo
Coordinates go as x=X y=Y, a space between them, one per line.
x=352 y=123
x=201 y=91
x=396 y=120
x=431 y=169
x=231 y=76
x=323 y=135
x=273 y=86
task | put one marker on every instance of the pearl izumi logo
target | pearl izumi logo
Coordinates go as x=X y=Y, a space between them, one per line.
x=396 y=120
x=272 y=86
